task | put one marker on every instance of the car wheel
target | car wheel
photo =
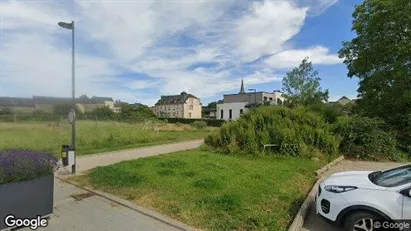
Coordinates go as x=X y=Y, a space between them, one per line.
x=361 y=221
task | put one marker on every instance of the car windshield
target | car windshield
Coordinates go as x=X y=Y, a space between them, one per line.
x=393 y=177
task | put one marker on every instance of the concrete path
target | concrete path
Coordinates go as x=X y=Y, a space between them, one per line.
x=312 y=221
x=88 y=162
x=97 y=213
x=108 y=212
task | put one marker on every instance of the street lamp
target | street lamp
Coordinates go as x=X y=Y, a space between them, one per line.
x=255 y=95
x=70 y=26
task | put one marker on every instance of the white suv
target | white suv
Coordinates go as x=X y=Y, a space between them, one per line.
x=356 y=199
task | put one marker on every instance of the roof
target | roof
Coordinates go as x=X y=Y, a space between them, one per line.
x=16 y=102
x=258 y=92
x=101 y=99
x=343 y=98
x=175 y=99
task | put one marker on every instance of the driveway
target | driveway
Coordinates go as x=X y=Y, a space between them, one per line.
x=312 y=221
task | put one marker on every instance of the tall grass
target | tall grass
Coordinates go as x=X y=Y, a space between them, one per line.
x=92 y=137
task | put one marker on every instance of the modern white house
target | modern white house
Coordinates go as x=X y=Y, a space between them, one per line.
x=231 y=111
x=234 y=105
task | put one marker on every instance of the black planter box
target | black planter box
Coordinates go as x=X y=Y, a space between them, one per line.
x=27 y=199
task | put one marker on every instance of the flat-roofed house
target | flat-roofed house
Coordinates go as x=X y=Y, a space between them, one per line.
x=234 y=105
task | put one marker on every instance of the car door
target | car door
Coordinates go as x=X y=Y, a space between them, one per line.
x=406 y=205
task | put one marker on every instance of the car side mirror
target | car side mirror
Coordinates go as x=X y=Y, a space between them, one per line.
x=406 y=192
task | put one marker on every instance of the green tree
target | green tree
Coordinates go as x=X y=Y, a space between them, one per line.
x=103 y=113
x=380 y=56
x=302 y=85
x=213 y=105
x=63 y=109
x=134 y=113
x=5 y=111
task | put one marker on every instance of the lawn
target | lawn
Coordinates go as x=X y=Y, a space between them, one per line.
x=92 y=137
x=212 y=191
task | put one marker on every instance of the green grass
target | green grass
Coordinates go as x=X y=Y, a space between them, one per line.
x=212 y=191
x=92 y=137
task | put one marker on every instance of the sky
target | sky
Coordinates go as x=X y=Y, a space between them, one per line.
x=136 y=51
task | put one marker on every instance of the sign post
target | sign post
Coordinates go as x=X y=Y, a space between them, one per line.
x=71 y=151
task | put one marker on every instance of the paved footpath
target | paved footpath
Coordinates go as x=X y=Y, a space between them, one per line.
x=88 y=162
x=96 y=213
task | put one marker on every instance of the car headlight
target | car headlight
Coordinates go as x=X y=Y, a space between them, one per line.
x=339 y=189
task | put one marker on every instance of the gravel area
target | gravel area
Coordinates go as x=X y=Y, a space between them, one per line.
x=312 y=221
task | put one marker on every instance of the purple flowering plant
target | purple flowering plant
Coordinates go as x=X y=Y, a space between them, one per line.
x=25 y=165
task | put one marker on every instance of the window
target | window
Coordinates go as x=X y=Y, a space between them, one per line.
x=265 y=98
x=271 y=98
x=189 y=115
x=392 y=178
x=279 y=102
x=221 y=114
x=241 y=111
x=230 y=114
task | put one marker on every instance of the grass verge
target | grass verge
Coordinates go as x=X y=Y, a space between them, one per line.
x=212 y=191
x=92 y=137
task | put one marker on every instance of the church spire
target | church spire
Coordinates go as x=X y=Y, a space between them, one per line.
x=242 y=87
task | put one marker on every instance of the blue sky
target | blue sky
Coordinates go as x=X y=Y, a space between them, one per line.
x=137 y=51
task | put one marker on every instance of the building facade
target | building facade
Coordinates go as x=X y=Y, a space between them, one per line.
x=178 y=106
x=234 y=105
x=47 y=104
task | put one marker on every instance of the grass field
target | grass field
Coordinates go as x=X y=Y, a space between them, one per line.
x=212 y=191
x=92 y=137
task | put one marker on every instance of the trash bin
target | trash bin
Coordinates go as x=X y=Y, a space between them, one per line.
x=64 y=154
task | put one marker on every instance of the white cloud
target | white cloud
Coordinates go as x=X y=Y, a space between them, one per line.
x=292 y=58
x=269 y=25
x=197 y=46
x=317 y=7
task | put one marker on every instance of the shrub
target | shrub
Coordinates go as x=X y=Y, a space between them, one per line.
x=199 y=124
x=366 y=138
x=103 y=113
x=23 y=165
x=288 y=129
x=210 y=122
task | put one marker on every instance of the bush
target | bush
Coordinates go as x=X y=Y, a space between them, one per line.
x=366 y=138
x=288 y=129
x=209 y=122
x=103 y=113
x=199 y=124
x=22 y=165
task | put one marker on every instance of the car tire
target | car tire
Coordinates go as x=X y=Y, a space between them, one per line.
x=360 y=218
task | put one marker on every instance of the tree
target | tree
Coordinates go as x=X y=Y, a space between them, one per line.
x=380 y=56
x=134 y=113
x=5 y=111
x=302 y=85
x=63 y=109
x=104 y=113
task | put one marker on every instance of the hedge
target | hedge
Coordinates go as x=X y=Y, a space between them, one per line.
x=210 y=122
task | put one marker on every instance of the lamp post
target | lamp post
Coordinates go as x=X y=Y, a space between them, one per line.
x=255 y=95
x=70 y=26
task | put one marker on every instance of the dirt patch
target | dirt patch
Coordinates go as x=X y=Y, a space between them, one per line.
x=82 y=196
